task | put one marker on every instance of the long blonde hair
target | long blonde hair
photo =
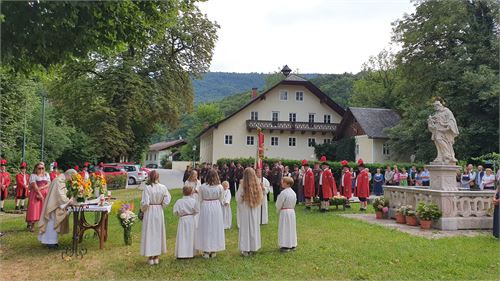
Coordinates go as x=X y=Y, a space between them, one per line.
x=252 y=191
x=191 y=176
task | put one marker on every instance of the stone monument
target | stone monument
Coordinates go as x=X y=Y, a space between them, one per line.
x=462 y=209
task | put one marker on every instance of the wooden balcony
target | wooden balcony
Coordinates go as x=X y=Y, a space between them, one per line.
x=292 y=126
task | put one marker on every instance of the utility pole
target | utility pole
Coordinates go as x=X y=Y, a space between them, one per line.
x=24 y=131
x=42 y=93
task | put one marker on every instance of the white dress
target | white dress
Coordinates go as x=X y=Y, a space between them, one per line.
x=210 y=232
x=226 y=210
x=153 y=237
x=185 y=208
x=287 y=229
x=249 y=219
x=264 y=207
x=196 y=186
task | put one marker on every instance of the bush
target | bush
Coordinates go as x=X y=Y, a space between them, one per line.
x=116 y=182
x=428 y=212
x=341 y=149
x=334 y=166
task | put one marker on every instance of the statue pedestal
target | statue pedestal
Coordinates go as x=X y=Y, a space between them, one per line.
x=443 y=177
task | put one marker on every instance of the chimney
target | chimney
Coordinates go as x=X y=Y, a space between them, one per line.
x=254 y=93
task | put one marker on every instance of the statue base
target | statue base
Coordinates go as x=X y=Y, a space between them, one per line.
x=443 y=177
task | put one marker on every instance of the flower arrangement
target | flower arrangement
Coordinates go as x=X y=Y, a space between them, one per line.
x=316 y=200
x=402 y=210
x=99 y=183
x=381 y=204
x=428 y=212
x=127 y=218
x=338 y=200
x=78 y=188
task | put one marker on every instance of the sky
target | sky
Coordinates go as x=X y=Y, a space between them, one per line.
x=311 y=36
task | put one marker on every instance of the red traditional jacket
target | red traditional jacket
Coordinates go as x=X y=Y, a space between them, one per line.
x=362 y=188
x=54 y=174
x=309 y=188
x=82 y=174
x=347 y=185
x=328 y=183
x=22 y=186
x=4 y=183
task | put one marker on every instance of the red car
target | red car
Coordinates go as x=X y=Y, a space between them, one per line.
x=113 y=170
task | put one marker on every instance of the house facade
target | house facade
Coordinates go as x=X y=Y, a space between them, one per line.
x=368 y=127
x=158 y=151
x=294 y=115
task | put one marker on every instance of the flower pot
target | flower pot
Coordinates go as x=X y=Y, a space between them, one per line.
x=400 y=218
x=425 y=224
x=379 y=215
x=411 y=220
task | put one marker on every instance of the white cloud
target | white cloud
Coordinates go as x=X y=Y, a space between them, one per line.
x=315 y=36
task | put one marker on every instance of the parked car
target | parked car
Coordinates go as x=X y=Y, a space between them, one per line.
x=146 y=170
x=113 y=170
x=135 y=174
x=152 y=166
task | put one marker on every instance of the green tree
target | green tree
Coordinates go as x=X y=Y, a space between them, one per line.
x=449 y=50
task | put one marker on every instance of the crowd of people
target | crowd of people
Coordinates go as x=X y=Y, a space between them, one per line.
x=204 y=214
x=477 y=179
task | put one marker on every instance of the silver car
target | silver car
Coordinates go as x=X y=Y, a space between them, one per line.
x=135 y=175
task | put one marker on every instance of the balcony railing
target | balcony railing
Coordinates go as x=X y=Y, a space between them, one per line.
x=291 y=126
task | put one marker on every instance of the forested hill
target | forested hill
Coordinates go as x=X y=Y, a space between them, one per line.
x=217 y=85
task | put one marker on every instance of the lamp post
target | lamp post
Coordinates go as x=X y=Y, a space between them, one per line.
x=24 y=131
x=42 y=145
x=194 y=154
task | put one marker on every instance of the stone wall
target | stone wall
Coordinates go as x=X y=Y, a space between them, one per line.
x=461 y=209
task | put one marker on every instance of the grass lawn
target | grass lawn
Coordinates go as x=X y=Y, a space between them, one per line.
x=330 y=247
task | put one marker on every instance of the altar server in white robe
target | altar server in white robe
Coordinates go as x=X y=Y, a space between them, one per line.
x=210 y=236
x=155 y=197
x=185 y=208
x=249 y=198
x=226 y=205
x=54 y=218
x=266 y=186
x=195 y=183
x=285 y=205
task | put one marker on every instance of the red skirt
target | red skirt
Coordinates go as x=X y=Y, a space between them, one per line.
x=35 y=206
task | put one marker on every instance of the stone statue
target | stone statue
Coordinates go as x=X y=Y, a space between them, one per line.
x=443 y=127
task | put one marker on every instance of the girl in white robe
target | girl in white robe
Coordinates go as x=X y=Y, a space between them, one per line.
x=266 y=186
x=249 y=198
x=226 y=205
x=210 y=236
x=285 y=205
x=195 y=183
x=155 y=197
x=185 y=208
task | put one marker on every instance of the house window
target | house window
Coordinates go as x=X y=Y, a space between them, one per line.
x=228 y=139
x=385 y=149
x=155 y=156
x=329 y=141
x=274 y=141
x=283 y=95
x=311 y=117
x=327 y=119
x=250 y=140
x=299 y=96
x=292 y=117
x=292 y=141
x=254 y=115
x=275 y=116
x=357 y=149
x=311 y=142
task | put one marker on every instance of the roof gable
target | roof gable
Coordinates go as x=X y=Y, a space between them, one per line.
x=293 y=80
x=373 y=121
x=159 y=146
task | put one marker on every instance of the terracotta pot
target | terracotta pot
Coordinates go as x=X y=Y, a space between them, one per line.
x=411 y=220
x=379 y=215
x=425 y=224
x=400 y=218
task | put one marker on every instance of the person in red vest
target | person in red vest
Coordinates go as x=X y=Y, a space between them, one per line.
x=362 y=188
x=4 y=183
x=346 y=182
x=85 y=171
x=55 y=173
x=22 y=186
x=308 y=182
x=328 y=187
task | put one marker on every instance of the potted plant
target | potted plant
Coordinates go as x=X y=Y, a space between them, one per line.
x=427 y=214
x=381 y=206
x=410 y=216
x=400 y=214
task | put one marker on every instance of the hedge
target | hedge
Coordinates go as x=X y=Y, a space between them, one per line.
x=336 y=167
x=116 y=182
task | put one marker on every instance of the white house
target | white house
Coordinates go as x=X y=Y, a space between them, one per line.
x=294 y=115
x=369 y=127
x=161 y=149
